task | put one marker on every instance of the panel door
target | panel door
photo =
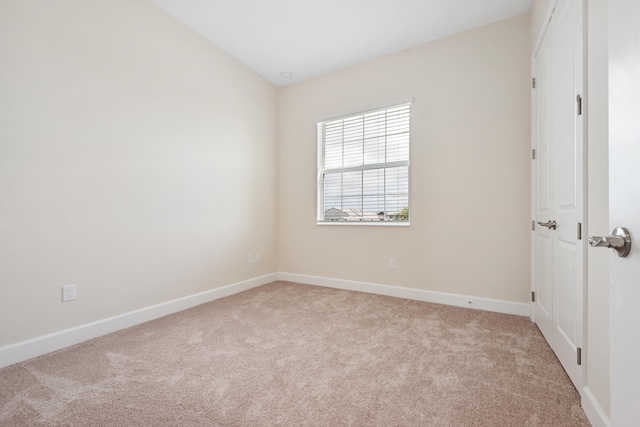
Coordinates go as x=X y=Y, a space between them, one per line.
x=559 y=180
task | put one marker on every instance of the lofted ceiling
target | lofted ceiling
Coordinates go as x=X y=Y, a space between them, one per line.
x=305 y=38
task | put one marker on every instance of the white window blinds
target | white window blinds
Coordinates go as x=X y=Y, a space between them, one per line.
x=363 y=167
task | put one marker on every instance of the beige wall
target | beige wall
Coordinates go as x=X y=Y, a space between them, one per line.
x=470 y=168
x=137 y=161
x=597 y=354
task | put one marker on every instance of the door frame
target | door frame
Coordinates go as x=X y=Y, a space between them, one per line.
x=624 y=294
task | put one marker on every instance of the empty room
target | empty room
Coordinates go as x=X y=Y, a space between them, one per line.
x=297 y=213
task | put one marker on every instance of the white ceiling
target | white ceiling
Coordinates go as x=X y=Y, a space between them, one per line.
x=311 y=37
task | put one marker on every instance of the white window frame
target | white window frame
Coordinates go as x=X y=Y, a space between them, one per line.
x=321 y=170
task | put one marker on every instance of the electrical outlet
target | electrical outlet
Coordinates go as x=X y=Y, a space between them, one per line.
x=392 y=263
x=250 y=259
x=68 y=293
x=258 y=257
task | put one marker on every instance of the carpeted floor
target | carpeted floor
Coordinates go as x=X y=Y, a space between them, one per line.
x=296 y=355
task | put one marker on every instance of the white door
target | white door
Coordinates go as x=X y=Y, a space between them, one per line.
x=542 y=204
x=558 y=189
x=624 y=208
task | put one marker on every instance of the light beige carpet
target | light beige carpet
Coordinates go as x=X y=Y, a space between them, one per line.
x=297 y=355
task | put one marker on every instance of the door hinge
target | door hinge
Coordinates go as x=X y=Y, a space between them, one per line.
x=533 y=296
x=579 y=356
x=533 y=82
x=533 y=154
x=579 y=101
x=579 y=231
x=533 y=225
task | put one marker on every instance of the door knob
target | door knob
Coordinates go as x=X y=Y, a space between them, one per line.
x=549 y=224
x=620 y=241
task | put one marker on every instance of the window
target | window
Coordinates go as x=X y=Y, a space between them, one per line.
x=363 y=167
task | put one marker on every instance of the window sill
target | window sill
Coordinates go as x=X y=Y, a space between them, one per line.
x=365 y=223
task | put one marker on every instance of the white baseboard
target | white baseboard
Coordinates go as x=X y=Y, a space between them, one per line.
x=593 y=410
x=499 y=306
x=15 y=353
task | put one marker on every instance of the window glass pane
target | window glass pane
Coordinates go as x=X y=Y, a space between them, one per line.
x=396 y=190
x=397 y=180
x=373 y=206
x=398 y=147
x=352 y=153
x=375 y=124
x=395 y=206
x=352 y=183
x=373 y=182
x=333 y=155
x=333 y=191
x=374 y=150
x=352 y=205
